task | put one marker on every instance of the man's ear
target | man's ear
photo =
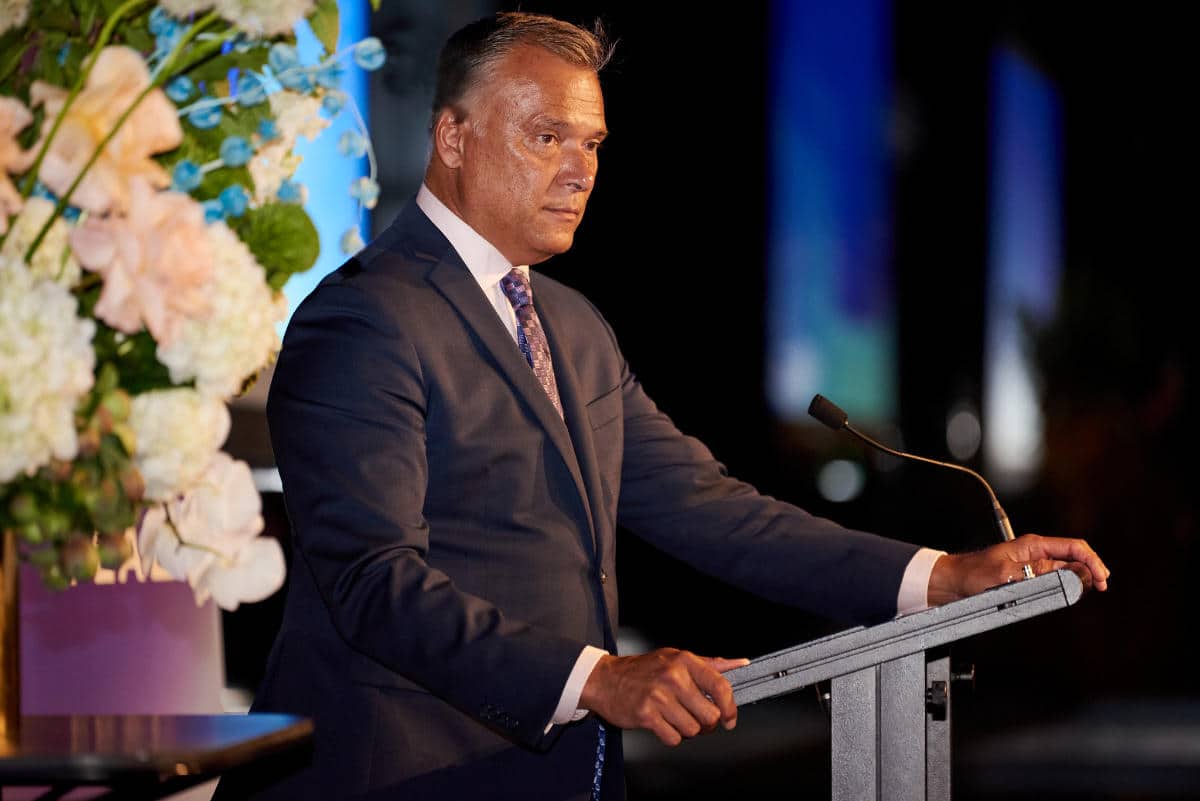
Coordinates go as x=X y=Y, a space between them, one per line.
x=448 y=135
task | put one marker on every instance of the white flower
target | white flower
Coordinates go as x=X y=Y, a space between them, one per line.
x=177 y=432
x=256 y=17
x=295 y=115
x=239 y=337
x=53 y=259
x=269 y=168
x=46 y=363
x=209 y=537
x=13 y=14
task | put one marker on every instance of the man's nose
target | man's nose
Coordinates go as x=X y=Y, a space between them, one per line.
x=578 y=171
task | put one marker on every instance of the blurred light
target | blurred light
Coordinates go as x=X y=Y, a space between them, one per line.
x=830 y=301
x=1024 y=261
x=963 y=432
x=841 y=480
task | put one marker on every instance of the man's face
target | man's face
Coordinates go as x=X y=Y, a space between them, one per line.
x=529 y=153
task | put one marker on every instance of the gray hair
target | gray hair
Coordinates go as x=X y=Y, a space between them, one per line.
x=473 y=50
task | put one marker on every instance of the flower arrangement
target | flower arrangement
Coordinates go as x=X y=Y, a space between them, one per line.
x=149 y=218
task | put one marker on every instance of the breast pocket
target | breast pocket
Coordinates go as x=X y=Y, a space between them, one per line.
x=608 y=437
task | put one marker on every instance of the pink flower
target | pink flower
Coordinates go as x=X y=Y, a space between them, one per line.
x=13 y=119
x=155 y=262
x=114 y=83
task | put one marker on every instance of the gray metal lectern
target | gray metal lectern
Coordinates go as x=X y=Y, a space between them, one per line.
x=890 y=687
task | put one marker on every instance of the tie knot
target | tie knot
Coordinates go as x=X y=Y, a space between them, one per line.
x=516 y=287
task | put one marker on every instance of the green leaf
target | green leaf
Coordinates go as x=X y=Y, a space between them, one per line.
x=282 y=238
x=11 y=50
x=216 y=68
x=214 y=182
x=325 y=24
x=135 y=357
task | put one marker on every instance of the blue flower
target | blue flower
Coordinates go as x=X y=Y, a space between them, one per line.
x=333 y=102
x=206 y=114
x=234 y=200
x=290 y=192
x=250 y=90
x=329 y=75
x=366 y=191
x=351 y=241
x=298 y=80
x=282 y=57
x=180 y=88
x=267 y=129
x=369 y=54
x=186 y=176
x=161 y=22
x=213 y=211
x=351 y=144
x=235 y=151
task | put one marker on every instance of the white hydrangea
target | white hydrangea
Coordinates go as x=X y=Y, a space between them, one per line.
x=177 y=432
x=53 y=258
x=46 y=366
x=13 y=14
x=239 y=337
x=209 y=536
x=295 y=115
x=256 y=17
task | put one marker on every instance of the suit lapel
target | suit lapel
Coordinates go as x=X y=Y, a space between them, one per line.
x=574 y=409
x=452 y=278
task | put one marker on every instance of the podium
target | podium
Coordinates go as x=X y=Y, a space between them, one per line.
x=890 y=705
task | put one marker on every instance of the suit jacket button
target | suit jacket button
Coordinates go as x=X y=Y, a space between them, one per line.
x=603 y=577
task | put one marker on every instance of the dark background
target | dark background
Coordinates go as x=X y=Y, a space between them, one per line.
x=1096 y=701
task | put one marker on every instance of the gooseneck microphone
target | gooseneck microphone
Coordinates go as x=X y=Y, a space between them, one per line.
x=831 y=415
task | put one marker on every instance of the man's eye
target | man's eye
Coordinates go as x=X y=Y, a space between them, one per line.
x=592 y=146
x=547 y=139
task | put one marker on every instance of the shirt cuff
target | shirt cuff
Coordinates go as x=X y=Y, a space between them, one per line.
x=568 y=703
x=914 y=587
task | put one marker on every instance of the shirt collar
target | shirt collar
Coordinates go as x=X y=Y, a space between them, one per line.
x=486 y=263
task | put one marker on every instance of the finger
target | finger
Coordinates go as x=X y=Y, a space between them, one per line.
x=664 y=731
x=1070 y=550
x=719 y=693
x=1041 y=566
x=721 y=664
x=681 y=716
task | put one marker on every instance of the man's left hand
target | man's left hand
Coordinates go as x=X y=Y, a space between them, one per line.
x=957 y=576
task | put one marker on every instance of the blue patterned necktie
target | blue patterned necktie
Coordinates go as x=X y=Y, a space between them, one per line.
x=598 y=772
x=530 y=337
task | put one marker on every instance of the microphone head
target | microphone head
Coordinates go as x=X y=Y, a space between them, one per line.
x=827 y=412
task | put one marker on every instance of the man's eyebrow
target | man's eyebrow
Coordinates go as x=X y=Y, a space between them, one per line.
x=560 y=125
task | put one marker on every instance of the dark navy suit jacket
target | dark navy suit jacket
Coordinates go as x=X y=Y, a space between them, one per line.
x=454 y=537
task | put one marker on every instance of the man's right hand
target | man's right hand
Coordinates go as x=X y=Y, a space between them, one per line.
x=674 y=694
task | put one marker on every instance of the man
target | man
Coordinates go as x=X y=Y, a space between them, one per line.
x=456 y=458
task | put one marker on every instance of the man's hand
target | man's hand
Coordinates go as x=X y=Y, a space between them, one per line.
x=957 y=576
x=673 y=693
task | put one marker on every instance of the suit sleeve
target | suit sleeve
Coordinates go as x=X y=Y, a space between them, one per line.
x=347 y=412
x=677 y=496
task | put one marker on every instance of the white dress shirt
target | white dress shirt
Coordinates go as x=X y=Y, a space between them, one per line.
x=488 y=266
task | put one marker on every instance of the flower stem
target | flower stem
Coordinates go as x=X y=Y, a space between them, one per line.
x=66 y=197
